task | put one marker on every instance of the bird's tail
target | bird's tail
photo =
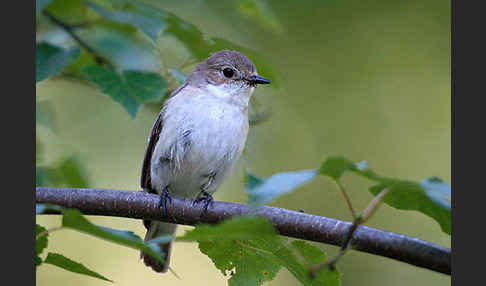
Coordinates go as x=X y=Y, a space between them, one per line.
x=157 y=229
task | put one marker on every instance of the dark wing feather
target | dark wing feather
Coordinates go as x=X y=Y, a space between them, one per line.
x=154 y=137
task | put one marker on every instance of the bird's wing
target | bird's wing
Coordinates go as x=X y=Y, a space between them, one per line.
x=154 y=137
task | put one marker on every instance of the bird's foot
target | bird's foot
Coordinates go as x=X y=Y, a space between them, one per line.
x=206 y=198
x=164 y=198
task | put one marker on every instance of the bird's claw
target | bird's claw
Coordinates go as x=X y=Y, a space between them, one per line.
x=164 y=197
x=206 y=198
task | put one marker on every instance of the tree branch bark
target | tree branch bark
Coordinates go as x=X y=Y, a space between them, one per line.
x=141 y=205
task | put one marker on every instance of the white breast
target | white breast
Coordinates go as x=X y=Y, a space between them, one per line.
x=217 y=129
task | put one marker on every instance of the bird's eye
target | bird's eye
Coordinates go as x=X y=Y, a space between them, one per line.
x=228 y=72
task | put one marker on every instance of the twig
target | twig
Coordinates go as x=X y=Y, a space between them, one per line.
x=141 y=205
x=346 y=198
x=365 y=215
x=70 y=29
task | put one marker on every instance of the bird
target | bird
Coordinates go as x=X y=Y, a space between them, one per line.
x=197 y=138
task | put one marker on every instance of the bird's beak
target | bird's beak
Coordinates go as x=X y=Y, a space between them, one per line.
x=256 y=79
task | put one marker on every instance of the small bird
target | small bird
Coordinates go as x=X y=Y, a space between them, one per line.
x=197 y=138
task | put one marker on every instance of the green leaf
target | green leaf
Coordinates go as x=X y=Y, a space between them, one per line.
x=263 y=191
x=50 y=60
x=197 y=43
x=407 y=195
x=432 y=196
x=65 y=173
x=40 y=243
x=74 y=219
x=123 y=46
x=42 y=208
x=63 y=262
x=72 y=12
x=44 y=114
x=130 y=88
x=40 y=5
x=335 y=166
x=38 y=261
x=299 y=256
x=149 y=25
x=260 y=12
x=181 y=78
x=251 y=247
x=257 y=113
x=44 y=176
x=236 y=228
x=438 y=191
x=71 y=173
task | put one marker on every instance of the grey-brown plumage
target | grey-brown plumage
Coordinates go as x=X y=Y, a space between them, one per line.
x=198 y=136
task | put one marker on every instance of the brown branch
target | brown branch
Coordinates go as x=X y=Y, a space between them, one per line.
x=141 y=205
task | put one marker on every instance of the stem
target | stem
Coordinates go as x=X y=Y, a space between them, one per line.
x=346 y=198
x=365 y=215
x=70 y=29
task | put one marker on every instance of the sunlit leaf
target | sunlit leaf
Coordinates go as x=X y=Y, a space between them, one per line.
x=122 y=46
x=129 y=88
x=63 y=262
x=197 y=43
x=249 y=248
x=149 y=25
x=438 y=191
x=407 y=195
x=263 y=191
x=432 y=196
x=50 y=60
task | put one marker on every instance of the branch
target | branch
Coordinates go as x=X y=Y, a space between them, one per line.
x=141 y=205
x=70 y=29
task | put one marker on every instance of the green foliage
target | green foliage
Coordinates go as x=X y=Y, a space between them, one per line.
x=237 y=228
x=178 y=75
x=44 y=114
x=40 y=5
x=407 y=195
x=431 y=196
x=67 y=172
x=75 y=220
x=129 y=88
x=262 y=191
x=149 y=25
x=40 y=243
x=124 y=63
x=129 y=71
x=50 y=60
x=251 y=247
x=260 y=12
x=63 y=262
x=43 y=208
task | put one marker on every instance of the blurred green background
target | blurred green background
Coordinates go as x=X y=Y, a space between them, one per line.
x=369 y=80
